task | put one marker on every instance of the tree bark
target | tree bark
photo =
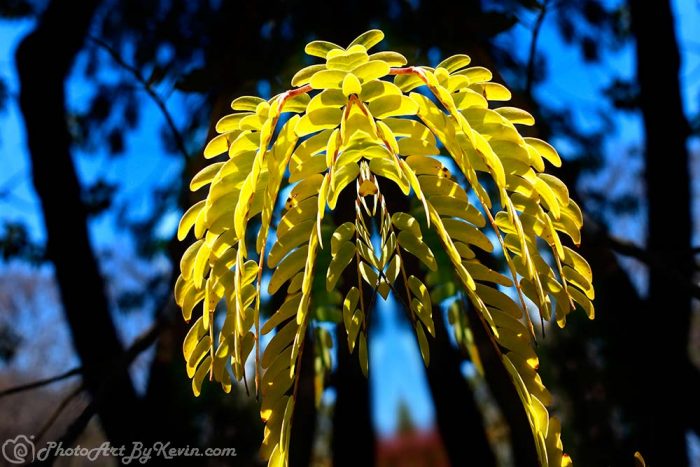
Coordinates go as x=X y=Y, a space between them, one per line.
x=667 y=314
x=458 y=417
x=44 y=60
x=353 y=441
x=304 y=419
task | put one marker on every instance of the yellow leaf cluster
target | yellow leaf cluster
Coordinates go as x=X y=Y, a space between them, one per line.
x=354 y=123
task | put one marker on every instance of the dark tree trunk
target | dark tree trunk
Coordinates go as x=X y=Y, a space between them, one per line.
x=304 y=421
x=667 y=314
x=44 y=60
x=602 y=395
x=353 y=440
x=459 y=419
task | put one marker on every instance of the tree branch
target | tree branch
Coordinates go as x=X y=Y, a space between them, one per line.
x=533 y=49
x=160 y=103
x=649 y=258
x=42 y=382
x=140 y=344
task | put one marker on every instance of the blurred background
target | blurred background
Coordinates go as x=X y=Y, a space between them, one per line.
x=105 y=108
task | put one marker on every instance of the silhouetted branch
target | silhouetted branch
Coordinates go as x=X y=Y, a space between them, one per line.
x=533 y=48
x=137 y=347
x=179 y=139
x=649 y=258
x=140 y=344
x=42 y=382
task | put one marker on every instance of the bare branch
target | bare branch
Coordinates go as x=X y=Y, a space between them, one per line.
x=177 y=135
x=42 y=382
x=143 y=342
x=649 y=258
x=137 y=347
x=533 y=49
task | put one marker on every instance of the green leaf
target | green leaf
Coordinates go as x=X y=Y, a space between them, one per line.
x=321 y=119
x=188 y=219
x=351 y=85
x=341 y=235
x=340 y=261
x=342 y=178
x=373 y=69
x=455 y=62
x=417 y=248
x=364 y=360
x=327 y=79
x=423 y=344
x=247 y=103
x=289 y=266
x=404 y=221
x=368 y=39
x=320 y=48
x=391 y=106
x=304 y=75
x=199 y=376
x=387 y=168
x=391 y=58
x=515 y=115
x=354 y=328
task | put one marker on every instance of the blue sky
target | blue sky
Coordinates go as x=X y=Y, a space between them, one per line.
x=396 y=366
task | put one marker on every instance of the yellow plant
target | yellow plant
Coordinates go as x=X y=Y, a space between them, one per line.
x=369 y=119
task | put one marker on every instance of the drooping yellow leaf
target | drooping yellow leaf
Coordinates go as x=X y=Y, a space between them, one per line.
x=289 y=266
x=327 y=79
x=199 y=376
x=387 y=168
x=515 y=115
x=373 y=69
x=247 y=103
x=368 y=39
x=347 y=61
x=188 y=219
x=391 y=58
x=545 y=150
x=320 y=48
x=340 y=261
x=423 y=344
x=351 y=85
x=391 y=106
x=455 y=62
x=321 y=119
x=417 y=248
x=342 y=178
x=364 y=359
